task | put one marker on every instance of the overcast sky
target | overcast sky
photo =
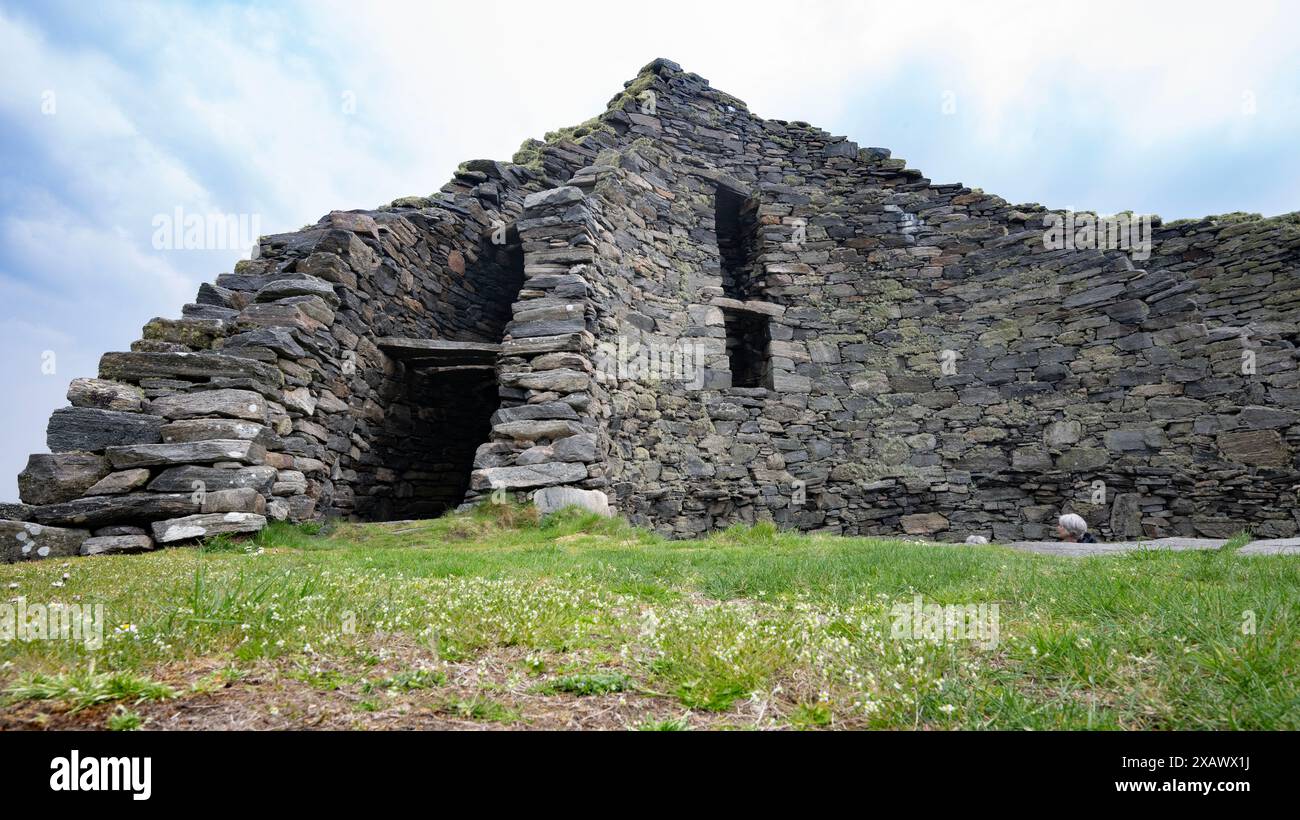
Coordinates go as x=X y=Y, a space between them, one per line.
x=112 y=114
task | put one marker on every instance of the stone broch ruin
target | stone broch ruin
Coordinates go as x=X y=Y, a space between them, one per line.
x=498 y=337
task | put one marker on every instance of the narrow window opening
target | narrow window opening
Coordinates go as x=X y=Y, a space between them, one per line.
x=736 y=225
x=748 y=341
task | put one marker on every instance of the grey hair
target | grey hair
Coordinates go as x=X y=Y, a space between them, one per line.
x=1073 y=524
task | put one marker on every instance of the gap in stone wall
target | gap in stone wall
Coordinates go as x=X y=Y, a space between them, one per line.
x=430 y=439
x=748 y=343
x=423 y=453
x=736 y=226
x=497 y=276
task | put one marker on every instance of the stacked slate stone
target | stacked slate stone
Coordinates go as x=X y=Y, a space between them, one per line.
x=1080 y=382
x=547 y=435
x=928 y=364
x=270 y=399
x=146 y=457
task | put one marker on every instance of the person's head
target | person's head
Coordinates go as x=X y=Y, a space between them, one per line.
x=1071 y=527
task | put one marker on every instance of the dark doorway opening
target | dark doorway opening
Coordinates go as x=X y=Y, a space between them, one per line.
x=736 y=225
x=748 y=342
x=453 y=411
x=436 y=410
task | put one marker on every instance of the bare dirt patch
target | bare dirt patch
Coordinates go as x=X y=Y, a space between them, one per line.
x=406 y=689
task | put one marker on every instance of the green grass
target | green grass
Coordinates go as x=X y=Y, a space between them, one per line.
x=681 y=724
x=82 y=689
x=124 y=720
x=407 y=681
x=481 y=708
x=811 y=716
x=1238 y=541
x=588 y=683
x=751 y=625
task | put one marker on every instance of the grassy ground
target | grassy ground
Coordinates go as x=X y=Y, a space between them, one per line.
x=492 y=620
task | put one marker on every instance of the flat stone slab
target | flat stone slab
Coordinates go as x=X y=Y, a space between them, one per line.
x=188 y=366
x=208 y=451
x=238 y=404
x=25 y=541
x=1117 y=547
x=190 y=478
x=205 y=429
x=192 y=527
x=51 y=478
x=551 y=499
x=1273 y=546
x=88 y=429
x=527 y=477
x=117 y=545
x=102 y=510
x=440 y=353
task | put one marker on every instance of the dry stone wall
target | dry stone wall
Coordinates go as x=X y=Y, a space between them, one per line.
x=1078 y=379
x=704 y=318
x=271 y=398
x=549 y=431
